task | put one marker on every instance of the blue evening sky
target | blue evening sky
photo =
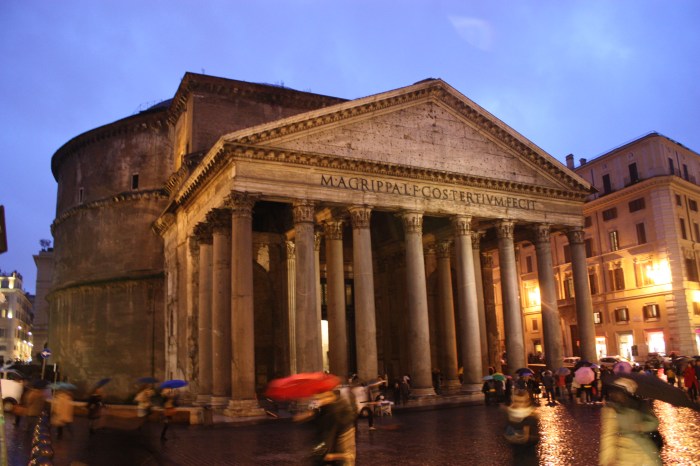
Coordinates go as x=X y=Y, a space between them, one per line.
x=577 y=77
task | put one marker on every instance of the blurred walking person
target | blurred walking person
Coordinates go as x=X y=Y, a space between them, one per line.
x=62 y=411
x=627 y=424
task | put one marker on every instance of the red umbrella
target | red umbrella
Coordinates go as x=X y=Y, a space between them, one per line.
x=301 y=386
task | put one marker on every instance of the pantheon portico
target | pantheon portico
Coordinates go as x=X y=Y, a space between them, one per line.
x=350 y=238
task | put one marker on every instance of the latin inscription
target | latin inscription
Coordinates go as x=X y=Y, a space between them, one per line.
x=425 y=191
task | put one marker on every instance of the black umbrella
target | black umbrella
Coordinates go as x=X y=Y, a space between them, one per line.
x=524 y=372
x=652 y=387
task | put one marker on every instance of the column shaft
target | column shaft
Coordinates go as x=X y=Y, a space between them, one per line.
x=480 y=297
x=468 y=306
x=221 y=305
x=584 y=303
x=551 y=326
x=446 y=313
x=512 y=313
x=204 y=344
x=308 y=338
x=242 y=306
x=419 y=332
x=335 y=280
x=365 y=319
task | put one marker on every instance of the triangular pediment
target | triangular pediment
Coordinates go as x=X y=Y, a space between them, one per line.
x=425 y=126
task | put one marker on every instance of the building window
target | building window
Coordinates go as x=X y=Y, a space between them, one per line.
x=621 y=315
x=691 y=270
x=671 y=167
x=81 y=195
x=588 y=244
x=637 y=204
x=679 y=200
x=528 y=264
x=607 y=187
x=686 y=176
x=597 y=317
x=617 y=278
x=610 y=214
x=569 y=287
x=135 y=181
x=567 y=253
x=641 y=234
x=614 y=240
x=634 y=175
x=535 y=326
x=696 y=230
x=696 y=308
x=684 y=234
x=593 y=283
x=3 y=333
x=693 y=205
x=651 y=312
x=587 y=221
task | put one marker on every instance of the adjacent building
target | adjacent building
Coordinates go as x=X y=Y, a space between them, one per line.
x=642 y=234
x=16 y=317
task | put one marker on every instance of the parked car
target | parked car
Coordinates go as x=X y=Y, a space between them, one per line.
x=610 y=361
x=11 y=387
x=570 y=361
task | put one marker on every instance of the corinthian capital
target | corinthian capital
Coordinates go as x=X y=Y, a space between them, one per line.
x=542 y=233
x=462 y=225
x=576 y=235
x=303 y=212
x=359 y=215
x=333 y=229
x=220 y=220
x=505 y=229
x=412 y=222
x=202 y=231
x=443 y=249
x=240 y=204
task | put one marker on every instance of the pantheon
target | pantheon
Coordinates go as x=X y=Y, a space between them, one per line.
x=240 y=232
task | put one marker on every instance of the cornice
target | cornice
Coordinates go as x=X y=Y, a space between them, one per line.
x=145 y=121
x=263 y=93
x=106 y=202
x=108 y=283
x=638 y=188
x=332 y=162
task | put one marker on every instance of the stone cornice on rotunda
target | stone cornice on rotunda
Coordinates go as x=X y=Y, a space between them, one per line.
x=151 y=119
x=264 y=93
x=108 y=201
x=258 y=143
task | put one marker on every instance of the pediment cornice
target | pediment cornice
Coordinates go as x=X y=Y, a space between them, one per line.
x=232 y=152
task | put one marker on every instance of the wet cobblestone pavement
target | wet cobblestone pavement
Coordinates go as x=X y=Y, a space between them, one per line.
x=452 y=436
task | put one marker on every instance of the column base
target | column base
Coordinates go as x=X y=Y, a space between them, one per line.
x=422 y=392
x=470 y=388
x=244 y=408
x=451 y=387
x=218 y=402
x=202 y=400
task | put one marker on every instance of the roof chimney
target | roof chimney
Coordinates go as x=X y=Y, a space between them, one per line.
x=570 y=161
x=582 y=161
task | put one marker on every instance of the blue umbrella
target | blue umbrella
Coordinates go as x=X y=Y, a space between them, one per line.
x=62 y=386
x=524 y=372
x=175 y=383
x=103 y=382
x=147 y=380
